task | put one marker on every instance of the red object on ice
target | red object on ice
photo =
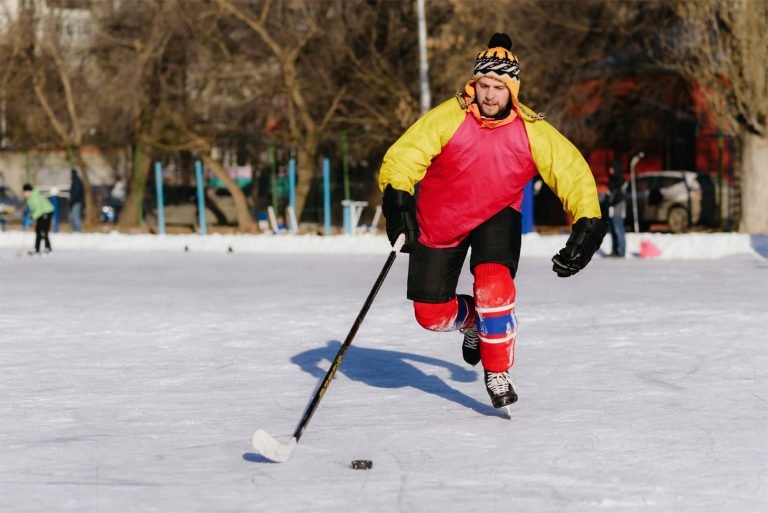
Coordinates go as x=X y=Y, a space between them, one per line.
x=648 y=249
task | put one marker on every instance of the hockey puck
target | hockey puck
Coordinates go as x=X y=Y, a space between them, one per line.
x=361 y=464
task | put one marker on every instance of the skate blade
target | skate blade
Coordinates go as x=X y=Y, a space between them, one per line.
x=266 y=445
x=508 y=411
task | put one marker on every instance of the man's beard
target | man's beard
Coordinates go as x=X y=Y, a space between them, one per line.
x=503 y=113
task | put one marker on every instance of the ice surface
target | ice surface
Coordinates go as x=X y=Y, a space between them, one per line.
x=132 y=381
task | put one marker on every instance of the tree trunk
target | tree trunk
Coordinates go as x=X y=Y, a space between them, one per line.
x=244 y=220
x=306 y=170
x=754 y=184
x=90 y=210
x=134 y=198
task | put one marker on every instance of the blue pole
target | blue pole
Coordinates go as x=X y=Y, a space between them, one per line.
x=55 y=201
x=292 y=184
x=327 y=195
x=200 y=197
x=347 y=218
x=527 y=207
x=159 y=194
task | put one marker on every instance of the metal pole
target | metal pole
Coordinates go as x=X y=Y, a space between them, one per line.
x=159 y=194
x=345 y=164
x=720 y=200
x=137 y=171
x=200 y=197
x=327 y=195
x=632 y=165
x=273 y=172
x=347 y=211
x=426 y=100
x=729 y=186
x=292 y=183
x=527 y=207
x=56 y=211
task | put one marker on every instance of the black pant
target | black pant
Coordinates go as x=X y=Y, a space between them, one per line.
x=42 y=227
x=433 y=273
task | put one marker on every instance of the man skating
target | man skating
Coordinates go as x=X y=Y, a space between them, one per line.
x=41 y=210
x=471 y=156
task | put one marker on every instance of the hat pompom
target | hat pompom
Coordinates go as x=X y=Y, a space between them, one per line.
x=500 y=40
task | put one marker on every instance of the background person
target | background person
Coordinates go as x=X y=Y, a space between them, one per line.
x=76 y=203
x=41 y=210
x=617 y=210
x=117 y=196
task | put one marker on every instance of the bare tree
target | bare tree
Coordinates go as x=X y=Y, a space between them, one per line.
x=49 y=68
x=291 y=32
x=723 y=46
x=130 y=48
x=169 y=82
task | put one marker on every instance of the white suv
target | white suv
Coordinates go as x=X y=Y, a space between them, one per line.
x=679 y=199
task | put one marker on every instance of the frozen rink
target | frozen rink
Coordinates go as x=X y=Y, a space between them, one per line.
x=132 y=381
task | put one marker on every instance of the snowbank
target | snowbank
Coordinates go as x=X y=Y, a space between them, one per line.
x=688 y=246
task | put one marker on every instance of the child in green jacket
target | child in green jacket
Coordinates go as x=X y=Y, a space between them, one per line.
x=42 y=211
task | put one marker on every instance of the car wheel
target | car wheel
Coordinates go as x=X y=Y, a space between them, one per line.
x=678 y=220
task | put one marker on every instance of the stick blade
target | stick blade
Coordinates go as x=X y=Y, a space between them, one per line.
x=266 y=445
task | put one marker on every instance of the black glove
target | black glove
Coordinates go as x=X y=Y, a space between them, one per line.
x=399 y=208
x=586 y=236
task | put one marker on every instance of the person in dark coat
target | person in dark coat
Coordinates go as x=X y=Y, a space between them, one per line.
x=76 y=203
x=617 y=210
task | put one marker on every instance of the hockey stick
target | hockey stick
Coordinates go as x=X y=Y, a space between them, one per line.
x=264 y=443
x=22 y=244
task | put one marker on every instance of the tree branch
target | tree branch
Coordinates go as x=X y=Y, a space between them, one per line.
x=68 y=96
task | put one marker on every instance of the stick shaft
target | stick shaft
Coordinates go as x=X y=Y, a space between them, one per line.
x=347 y=342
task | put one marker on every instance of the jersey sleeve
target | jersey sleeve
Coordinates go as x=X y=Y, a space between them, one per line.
x=564 y=170
x=406 y=161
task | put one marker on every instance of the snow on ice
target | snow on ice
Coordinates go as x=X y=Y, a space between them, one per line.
x=132 y=380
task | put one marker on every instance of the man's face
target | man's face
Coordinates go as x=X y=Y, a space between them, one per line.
x=492 y=96
x=26 y=194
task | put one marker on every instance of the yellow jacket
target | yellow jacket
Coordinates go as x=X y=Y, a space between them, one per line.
x=556 y=159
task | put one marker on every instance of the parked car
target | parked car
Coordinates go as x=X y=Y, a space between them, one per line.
x=179 y=202
x=10 y=204
x=180 y=206
x=679 y=199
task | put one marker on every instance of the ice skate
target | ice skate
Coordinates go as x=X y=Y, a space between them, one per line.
x=500 y=389
x=470 y=348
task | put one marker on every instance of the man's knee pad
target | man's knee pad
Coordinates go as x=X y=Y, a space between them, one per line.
x=496 y=323
x=458 y=313
x=493 y=285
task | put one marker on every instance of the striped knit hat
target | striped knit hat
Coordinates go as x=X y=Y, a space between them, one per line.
x=500 y=63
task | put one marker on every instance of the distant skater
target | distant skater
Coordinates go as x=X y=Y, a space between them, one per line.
x=42 y=210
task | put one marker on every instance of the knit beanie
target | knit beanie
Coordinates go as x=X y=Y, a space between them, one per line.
x=500 y=63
